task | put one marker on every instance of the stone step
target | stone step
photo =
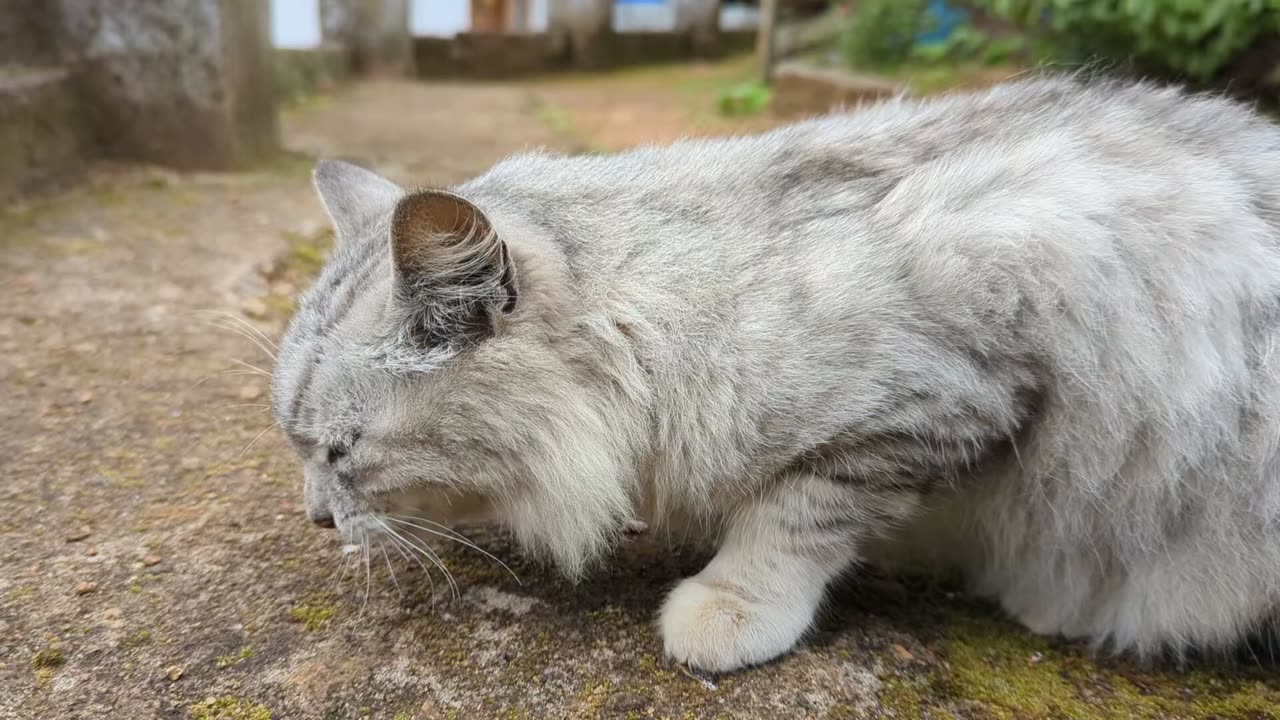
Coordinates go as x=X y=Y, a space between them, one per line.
x=41 y=147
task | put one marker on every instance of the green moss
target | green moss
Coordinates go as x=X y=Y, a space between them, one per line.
x=1016 y=675
x=22 y=593
x=307 y=254
x=297 y=268
x=226 y=661
x=138 y=639
x=229 y=708
x=48 y=658
x=313 y=613
x=553 y=116
x=560 y=121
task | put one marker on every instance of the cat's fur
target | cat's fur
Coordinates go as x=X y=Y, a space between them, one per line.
x=1031 y=331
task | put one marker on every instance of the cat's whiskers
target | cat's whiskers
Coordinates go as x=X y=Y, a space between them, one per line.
x=210 y=376
x=368 y=572
x=261 y=406
x=397 y=544
x=253 y=369
x=383 y=547
x=265 y=430
x=422 y=548
x=233 y=323
x=452 y=535
x=347 y=552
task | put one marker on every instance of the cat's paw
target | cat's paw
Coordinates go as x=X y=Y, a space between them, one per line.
x=710 y=627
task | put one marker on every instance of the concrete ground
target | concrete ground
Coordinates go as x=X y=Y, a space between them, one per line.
x=155 y=562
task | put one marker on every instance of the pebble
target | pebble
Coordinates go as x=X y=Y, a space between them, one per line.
x=254 y=308
x=173 y=672
x=91 y=551
x=79 y=534
x=85 y=588
x=901 y=653
x=85 y=397
x=151 y=559
x=249 y=392
x=114 y=613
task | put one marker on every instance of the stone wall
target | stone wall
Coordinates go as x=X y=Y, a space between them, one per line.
x=187 y=83
x=40 y=142
x=380 y=40
x=27 y=32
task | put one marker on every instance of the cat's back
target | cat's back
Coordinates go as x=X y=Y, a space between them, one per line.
x=1047 y=146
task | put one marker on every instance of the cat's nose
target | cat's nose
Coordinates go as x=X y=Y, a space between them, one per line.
x=324 y=520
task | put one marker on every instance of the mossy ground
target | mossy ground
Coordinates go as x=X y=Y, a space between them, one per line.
x=229 y=708
x=133 y=461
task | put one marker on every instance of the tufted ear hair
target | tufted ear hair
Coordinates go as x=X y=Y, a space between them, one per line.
x=454 y=275
x=353 y=197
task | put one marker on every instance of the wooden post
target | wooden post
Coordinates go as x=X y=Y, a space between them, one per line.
x=765 y=38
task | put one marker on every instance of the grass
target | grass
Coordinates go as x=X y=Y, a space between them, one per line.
x=228 y=707
x=313 y=613
x=48 y=658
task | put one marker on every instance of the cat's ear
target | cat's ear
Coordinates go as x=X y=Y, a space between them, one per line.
x=454 y=275
x=354 y=197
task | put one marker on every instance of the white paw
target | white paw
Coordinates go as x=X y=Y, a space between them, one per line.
x=713 y=629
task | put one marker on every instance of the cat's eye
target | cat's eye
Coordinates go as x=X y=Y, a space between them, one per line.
x=336 y=453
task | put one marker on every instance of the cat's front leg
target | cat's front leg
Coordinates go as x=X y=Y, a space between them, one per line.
x=760 y=593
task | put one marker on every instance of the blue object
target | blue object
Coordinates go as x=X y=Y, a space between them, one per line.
x=941 y=19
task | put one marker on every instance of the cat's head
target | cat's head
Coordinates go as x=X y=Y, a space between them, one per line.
x=435 y=373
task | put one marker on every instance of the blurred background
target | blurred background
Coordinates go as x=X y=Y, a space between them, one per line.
x=157 y=223
x=198 y=83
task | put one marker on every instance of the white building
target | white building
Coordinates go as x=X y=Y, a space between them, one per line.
x=450 y=17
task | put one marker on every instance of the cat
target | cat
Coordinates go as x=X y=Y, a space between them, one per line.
x=1029 y=332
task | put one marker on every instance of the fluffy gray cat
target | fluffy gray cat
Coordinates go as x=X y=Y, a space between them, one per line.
x=1029 y=332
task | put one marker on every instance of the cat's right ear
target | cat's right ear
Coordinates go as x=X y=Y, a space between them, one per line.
x=354 y=197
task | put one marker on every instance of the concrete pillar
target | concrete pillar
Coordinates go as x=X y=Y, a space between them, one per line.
x=27 y=32
x=701 y=20
x=186 y=83
x=381 y=42
x=558 y=26
x=580 y=30
x=338 y=21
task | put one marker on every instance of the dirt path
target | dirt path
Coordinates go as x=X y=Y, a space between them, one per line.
x=154 y=561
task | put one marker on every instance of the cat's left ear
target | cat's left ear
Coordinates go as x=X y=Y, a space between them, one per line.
x=354 y=197
x=454 y=275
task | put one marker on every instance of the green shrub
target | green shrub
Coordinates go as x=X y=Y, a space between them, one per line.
x=1192 y=38
x=882 y=33
x=745 y=99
